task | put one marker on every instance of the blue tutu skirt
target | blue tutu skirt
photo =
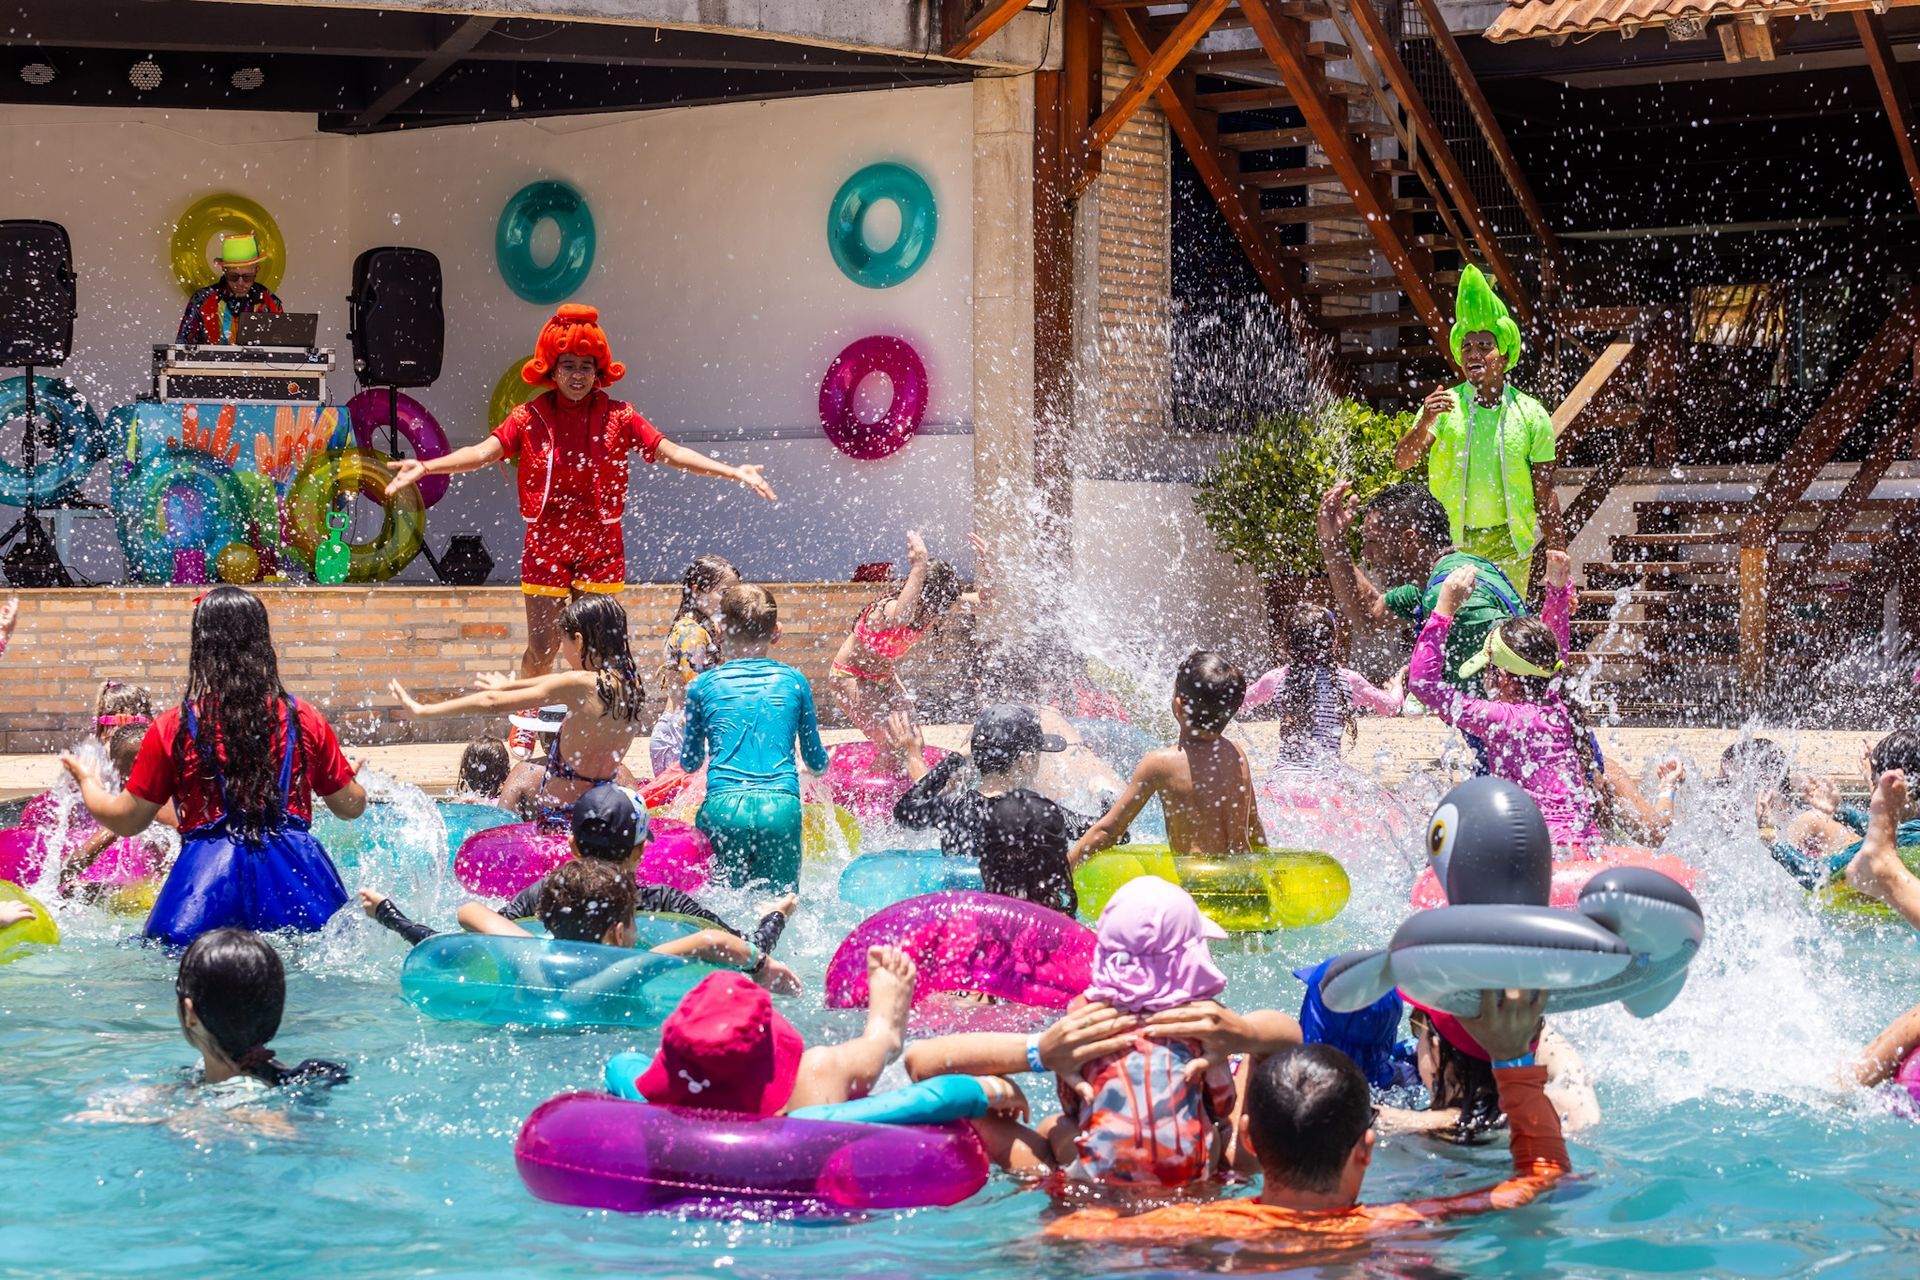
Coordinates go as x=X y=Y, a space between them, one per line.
x=282 y=880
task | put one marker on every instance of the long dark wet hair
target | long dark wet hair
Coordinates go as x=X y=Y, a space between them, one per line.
x=1534 y=640
x=1309 y=642
x=239 y=991
x=1463 y=1081
x=233 y=686
x=703 y=574
x=601 y=624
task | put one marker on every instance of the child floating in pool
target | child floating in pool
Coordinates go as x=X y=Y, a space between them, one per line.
x=572 y=444
x=1019 y=837
x=1536 y=736
x=693 y=645
x=1319 y=701
x=745 y=720
x=1203 y=780
x=610 y=829
x=1309 y=1122
x=1822 y=840
x=865 y=685
x=726 y=1048
x=601 y=692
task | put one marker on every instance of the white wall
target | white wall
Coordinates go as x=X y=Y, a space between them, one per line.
x=712 y=275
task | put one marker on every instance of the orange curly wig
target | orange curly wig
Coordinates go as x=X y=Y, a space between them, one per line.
x=574 y=330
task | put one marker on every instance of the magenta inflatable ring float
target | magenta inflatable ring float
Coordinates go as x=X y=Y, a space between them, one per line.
x=862 y=790
x=417 y=427
x=501 y=861
x=864 y=358
x=599 y=1152
x=965 y=940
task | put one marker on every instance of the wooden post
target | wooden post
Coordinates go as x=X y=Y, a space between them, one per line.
x=1151 y=75
x=1893 y=92
x=1756 y=623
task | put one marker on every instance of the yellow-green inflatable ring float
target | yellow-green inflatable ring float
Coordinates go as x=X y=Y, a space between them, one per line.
x=199 y=228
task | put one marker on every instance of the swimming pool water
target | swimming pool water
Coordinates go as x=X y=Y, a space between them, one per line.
x=1723 y=1151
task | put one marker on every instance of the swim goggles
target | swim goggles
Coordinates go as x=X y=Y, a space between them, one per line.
x=1495 y=651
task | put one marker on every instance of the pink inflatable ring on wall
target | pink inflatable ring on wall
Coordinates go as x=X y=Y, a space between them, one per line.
x=901 y=364
x=417 y=427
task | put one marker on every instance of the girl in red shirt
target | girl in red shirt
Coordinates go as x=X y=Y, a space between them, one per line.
x=241 y=759
x=571 y=445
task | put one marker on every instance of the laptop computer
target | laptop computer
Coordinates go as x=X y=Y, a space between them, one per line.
x=264 y=329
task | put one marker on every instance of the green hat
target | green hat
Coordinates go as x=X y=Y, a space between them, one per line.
x=1496 y=652
x=239 y=249
x=1478 y=309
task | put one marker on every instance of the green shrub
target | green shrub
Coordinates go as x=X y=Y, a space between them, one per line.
x=1262 y=497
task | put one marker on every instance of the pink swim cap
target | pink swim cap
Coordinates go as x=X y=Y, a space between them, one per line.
x=1150 y=949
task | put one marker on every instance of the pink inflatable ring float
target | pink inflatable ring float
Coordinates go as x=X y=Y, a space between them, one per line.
x=501 y=861
x=965 y=940
x=1569 y=878
x=861 y=789
x=123 y=865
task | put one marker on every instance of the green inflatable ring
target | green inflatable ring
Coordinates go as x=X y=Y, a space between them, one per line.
x=919 y=221
x=79 y=442
x=533 y=204
x=1838 y=895
x=205 y=219
x=338 y=473
x=37 y=931
x=1241 y=892
x=509 y=393
x=140 y=513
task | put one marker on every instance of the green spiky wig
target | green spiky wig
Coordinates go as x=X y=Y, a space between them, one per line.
x=1478 y=309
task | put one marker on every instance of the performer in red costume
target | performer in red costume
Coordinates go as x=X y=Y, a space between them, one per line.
x=571 y=444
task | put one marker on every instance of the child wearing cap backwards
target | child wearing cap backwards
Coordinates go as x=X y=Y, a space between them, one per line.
x=571 y=443
x=1203 y=780
x=1019 y=836
x=610 y=828
x=1308 y=1119
x=744 y=719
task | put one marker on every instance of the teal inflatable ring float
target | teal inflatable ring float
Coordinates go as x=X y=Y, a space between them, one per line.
x=178 y=500
x=538 y=202
x=78 y=442
x=919 y=220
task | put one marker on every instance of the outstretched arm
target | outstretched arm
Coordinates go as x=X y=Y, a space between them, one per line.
x=556 y=686
x=120 y=812
x=1105 y=833
x=1359 y=600
x=410 y=471
x=1877 y=870
x=904 y=605
x=692 y=460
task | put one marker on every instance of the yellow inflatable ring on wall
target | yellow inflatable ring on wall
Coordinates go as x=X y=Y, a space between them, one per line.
x=509 y=393
x=40 y=931
x=198 y=231
x=1242 y=892
x=337 y=473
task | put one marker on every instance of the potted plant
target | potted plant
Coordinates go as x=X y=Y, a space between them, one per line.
x=1262 y=497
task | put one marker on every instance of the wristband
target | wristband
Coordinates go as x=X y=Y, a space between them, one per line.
x=1033 y=1053
x=760 y=959
x=1524 y=1060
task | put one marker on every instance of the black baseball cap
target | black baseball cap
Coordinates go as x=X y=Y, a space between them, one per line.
x=604 y=824
x=1005 y=732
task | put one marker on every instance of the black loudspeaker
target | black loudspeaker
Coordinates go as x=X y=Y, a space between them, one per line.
x=399 y=327
x=37 y=299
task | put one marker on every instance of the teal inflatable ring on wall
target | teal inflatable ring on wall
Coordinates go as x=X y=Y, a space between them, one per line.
x=62 y=464
x=919 y=220
x=513 y=242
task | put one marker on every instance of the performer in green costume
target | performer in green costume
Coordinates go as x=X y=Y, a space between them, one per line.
x=1488 y=445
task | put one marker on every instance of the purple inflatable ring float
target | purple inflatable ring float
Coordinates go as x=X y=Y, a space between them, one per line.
x=501 y=861
x=417 y=427
x=600 y=1152
x=862 y=790
x=965 y=940
x=868 y=356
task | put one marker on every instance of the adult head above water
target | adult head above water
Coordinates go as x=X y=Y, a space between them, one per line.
x=239 y=262
x=572 y=355
x=230 y=993
x=234 y=689
x=1403 y=530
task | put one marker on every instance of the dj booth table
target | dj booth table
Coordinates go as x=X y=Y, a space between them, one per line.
x=250 y=436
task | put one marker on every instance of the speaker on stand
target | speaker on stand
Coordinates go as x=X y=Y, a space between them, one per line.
x=38 y=299
x=398 y=332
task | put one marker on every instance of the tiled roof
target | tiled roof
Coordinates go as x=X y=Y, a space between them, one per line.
x=1533 y=19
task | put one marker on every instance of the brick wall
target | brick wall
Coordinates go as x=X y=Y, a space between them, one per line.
x=340 y=645
x=1134 y=208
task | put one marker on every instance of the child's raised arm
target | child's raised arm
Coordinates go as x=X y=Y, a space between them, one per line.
x=1104 y=834
x=903 y=605
x=558 y=686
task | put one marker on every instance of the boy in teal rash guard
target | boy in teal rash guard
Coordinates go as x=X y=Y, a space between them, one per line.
x=743 y=720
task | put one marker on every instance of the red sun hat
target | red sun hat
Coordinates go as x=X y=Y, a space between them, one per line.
x=725 y=1049
x=574 y=331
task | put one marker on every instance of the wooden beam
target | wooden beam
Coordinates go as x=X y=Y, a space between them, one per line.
x=1237 y=203
x=458 y=43
x=1482 y=110
x=984 y=26
x=1285 y=43
x=1152 y=74
x=1385 y=50
x=1574 y=409
x=1893 y=92
x=1836 y=517
x=1890 y=350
